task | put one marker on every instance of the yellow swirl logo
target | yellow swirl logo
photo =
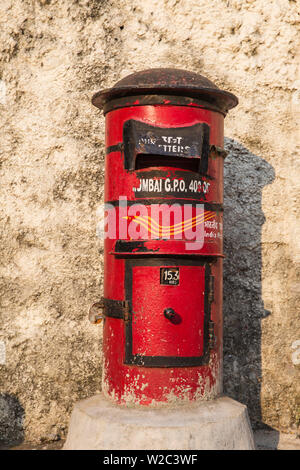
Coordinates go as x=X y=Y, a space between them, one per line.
x=158 y=230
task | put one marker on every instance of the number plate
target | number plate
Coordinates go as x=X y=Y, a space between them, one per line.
x=169 y=276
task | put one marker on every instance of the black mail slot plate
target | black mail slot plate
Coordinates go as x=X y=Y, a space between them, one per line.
x=185 y=142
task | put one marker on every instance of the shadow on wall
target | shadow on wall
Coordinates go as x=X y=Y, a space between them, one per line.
x=245 y=176
x=11 y=421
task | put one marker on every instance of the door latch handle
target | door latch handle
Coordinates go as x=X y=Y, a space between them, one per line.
x=169 y=313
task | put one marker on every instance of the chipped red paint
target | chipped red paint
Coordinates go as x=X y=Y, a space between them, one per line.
x=149 y=359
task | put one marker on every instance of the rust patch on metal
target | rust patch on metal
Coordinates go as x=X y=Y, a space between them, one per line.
x=167 y=81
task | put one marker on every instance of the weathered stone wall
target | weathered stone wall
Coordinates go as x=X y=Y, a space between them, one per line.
x=54 y=54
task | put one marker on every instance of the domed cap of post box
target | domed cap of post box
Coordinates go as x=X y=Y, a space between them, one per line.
x=166 y=81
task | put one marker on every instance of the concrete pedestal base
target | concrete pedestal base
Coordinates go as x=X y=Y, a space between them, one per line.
x=96 y=423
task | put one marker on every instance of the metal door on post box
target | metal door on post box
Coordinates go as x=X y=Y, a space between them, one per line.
x=153 y=286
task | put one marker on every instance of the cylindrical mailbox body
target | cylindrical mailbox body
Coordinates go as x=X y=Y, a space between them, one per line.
x=162 y=337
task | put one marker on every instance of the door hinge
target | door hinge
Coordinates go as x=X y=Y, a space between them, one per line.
x=110 y=308
x=126 y=310
x=211 y=334
x=211 y=294
x=217 y=151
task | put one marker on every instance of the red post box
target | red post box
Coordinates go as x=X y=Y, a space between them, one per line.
x=162 y=304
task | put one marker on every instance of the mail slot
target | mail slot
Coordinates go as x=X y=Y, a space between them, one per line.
x=162 y=300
